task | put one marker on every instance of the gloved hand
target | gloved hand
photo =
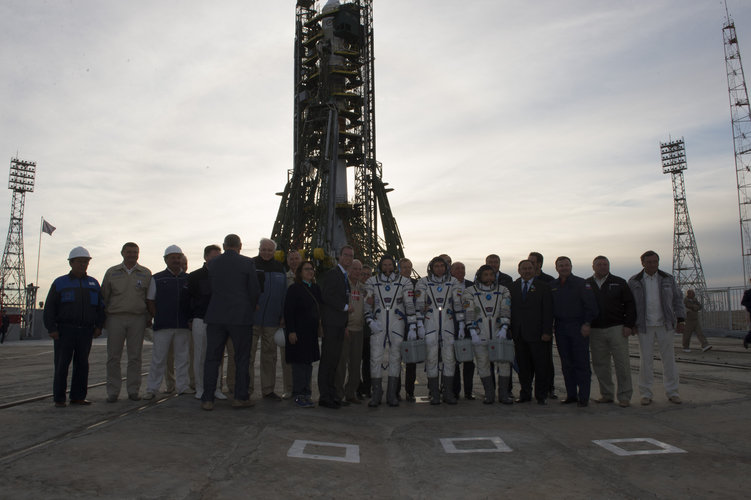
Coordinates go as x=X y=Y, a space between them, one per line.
x=420 y=329
x=460 y=335
x=375 y=327
x=462 y=326
x=412 y=333
x=504 y=333
x=475 y=336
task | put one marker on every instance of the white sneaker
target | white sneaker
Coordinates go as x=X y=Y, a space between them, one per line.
x=198 y=395
x=687 y=350
x=219 y=394
x=706 y=348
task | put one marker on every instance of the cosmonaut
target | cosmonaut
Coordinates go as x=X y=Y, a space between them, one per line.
x=487 y=310
x=390 y=316
x=438 y=302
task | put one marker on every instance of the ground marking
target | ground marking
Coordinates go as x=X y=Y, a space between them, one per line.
x=609 y=444
x=449 y=445
x=351 y=451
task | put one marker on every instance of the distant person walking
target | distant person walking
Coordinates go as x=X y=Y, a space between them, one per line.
x=73 y=316
x=693 y=324
x=746 y=302
x=4 y=326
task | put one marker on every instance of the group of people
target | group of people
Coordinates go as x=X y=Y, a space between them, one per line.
x=353 y=321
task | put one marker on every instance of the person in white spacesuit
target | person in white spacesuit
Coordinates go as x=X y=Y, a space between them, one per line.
x=437 y=299
x=390 y=317
x=487 y=310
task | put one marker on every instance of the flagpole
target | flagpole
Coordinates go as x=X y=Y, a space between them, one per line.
x=39 y=251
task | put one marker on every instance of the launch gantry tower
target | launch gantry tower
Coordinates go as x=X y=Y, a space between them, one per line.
x=334 y=136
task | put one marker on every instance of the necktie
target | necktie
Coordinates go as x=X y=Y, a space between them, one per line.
x=346 y=284
x=525 y=289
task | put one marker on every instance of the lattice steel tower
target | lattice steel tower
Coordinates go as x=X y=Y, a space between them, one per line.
x=334 y=136
x=740 y=116
x=687 y=269
x=13 y=277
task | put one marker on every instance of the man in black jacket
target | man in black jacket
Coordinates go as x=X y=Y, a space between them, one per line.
x=610 y=332
x=532 y=330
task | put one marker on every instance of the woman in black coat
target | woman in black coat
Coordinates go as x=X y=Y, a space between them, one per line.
x=301 y=318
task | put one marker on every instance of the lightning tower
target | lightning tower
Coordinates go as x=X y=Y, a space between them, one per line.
x=13 y=272
x=687 y=268
x=334 y=139
x=740 y=117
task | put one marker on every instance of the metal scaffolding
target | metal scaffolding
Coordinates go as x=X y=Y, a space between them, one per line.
x=13 y=273
x=334 y=136
x=687 y=269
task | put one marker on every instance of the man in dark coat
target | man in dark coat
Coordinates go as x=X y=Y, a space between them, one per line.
x=335 y=314
x=234 y=294
x=532 y=330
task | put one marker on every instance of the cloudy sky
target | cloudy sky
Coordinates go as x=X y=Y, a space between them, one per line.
x=503 y=126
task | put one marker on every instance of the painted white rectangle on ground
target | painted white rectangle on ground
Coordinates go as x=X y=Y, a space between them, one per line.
x=497 y=445
x=351 y=451
x=661 y=448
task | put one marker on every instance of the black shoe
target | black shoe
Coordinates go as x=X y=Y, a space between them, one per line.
x=272 y=396
x=328 y=404
x=469 y=397
x=569 y=401
x=343 y=402
x=523 y=400
x=582 y=404
x=552 y=395
x=410 y=398
x=542 y=402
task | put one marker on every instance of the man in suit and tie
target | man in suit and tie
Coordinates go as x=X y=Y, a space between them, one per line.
x=335 y=292
x=234 y=294
x=532 y=330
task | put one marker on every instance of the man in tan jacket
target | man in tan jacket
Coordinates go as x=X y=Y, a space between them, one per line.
x=349 y=362
x=124 y=290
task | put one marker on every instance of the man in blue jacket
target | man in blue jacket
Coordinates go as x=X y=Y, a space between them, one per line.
x=574 y=308
x=268 y=317
x=73 y=316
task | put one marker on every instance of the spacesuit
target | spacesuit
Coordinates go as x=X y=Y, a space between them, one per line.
x=438 y=300
x=390 y=316
x=487 y=310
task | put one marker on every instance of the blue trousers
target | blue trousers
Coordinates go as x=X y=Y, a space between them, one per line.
x=573 y=350
x=302 y=373
x=74 y=344
x=216 y=338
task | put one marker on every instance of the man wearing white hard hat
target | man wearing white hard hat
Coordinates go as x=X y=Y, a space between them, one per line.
x=73 y=316
x=168 y=301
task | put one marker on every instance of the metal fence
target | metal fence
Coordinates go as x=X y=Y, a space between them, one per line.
x=723 y=309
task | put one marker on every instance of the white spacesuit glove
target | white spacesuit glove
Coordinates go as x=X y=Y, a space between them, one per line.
x=504 y=331
x=462 y=326
x=421 y=329
x=375 y=327
x=460 y=335
x=412 y=333
x=475 y=336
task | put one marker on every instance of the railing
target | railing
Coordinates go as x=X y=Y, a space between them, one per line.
x=723 y=309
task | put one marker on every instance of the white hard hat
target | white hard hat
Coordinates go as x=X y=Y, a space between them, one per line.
x=279 y=337
x=172 y=249
x=79 y=252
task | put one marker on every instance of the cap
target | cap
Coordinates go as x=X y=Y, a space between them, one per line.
x=79 y=252
x=172 y=249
